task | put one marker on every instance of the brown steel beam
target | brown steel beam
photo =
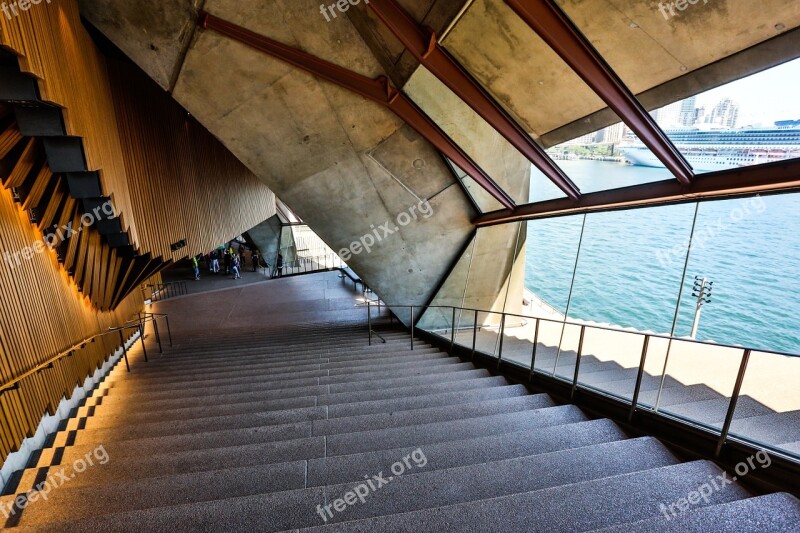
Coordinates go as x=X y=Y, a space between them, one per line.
x=423 y=45
x=378 y=90
x=555 y=28
x=781 y=176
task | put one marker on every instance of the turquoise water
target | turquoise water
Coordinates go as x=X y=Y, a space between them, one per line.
x=630 y=265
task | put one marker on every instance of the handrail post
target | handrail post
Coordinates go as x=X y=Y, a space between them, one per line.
x=124 y=350
x=474 y=334
x=502 y=332
x=453 y=331
x=533 y=352
x=369 y=321
x=578 y=362
x=639 y=377
x=169 y=330
x=734 y=400
x=141 y=337
x=158 y=337
x=412 y=327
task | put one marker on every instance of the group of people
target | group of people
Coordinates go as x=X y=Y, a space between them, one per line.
x=232 y=260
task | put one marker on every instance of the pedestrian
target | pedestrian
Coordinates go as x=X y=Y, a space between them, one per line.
x=279 y=264
x=236 y=265
x=196 y=267
x=228 y=258
x=254 y=255
x=215 y=262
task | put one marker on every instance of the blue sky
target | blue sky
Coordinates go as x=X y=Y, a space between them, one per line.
x=764 y=97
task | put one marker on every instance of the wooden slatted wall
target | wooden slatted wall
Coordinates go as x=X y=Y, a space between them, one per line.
x=53 y=46
x=41 y=314
x=186 y=185
x=169 y=180
x=167 y=176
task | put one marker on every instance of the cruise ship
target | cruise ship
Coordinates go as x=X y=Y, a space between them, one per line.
x=708 y=150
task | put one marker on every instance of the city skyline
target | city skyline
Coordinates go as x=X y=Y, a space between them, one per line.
x=759 y=100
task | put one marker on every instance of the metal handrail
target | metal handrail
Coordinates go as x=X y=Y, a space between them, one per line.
x=604 y=328
x=157 y=316
x=575 y=385
x=369 y=322
x=325 y=261
x=13 y=383
x=171 y=288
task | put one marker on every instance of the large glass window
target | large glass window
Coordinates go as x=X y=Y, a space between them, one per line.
x=751 y=121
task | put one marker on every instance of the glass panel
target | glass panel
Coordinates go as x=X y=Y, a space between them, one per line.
x=552 y=247
x=303 y=251
x=630 y=267
x=609 y=158
x=699 y=381
x=518 y=339
x=479 y=140
x=610 y=361
x=491 y=269
x=563 y=364
x=438 y=321
x=483 y=201
x=542 y=188
x=768 y=410
x=653 y=370
x=465 y=322
x=748 y=249
x=488 y=337
x=547 y=346
x=451 y=293
x=747 y=122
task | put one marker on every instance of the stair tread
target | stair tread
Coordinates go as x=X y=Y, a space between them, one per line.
x=576 y=507
x=772 y=512
x=546 y=509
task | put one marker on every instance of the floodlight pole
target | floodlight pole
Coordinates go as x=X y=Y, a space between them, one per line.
x=702 y=290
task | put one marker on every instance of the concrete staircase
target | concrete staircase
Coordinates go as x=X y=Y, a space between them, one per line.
x=291 y=428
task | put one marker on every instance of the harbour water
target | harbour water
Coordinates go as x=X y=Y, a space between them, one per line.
x=630 y=263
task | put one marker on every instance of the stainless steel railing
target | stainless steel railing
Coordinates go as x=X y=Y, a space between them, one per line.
x=415 y=312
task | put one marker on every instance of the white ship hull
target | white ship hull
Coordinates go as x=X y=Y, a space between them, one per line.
x=710 y=162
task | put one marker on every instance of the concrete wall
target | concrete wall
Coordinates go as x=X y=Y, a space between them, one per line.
x=266 y=236
x=346 y=166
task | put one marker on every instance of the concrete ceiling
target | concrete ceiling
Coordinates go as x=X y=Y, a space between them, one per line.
x=644 y=48
x=345 y=164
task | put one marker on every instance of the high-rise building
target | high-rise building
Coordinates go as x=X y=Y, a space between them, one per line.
x=614 y=133
x=725 y=114
x=668 y=116
x=699 y=115
x=688 y=111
